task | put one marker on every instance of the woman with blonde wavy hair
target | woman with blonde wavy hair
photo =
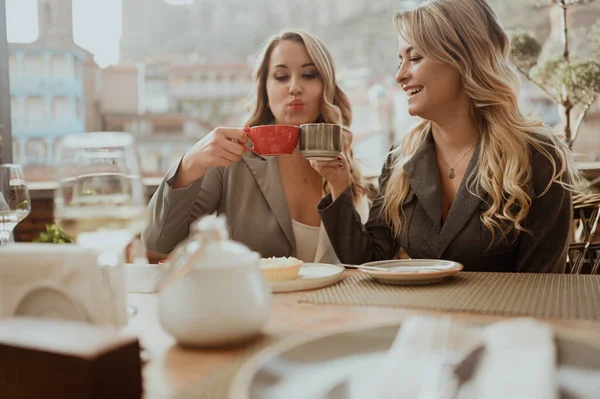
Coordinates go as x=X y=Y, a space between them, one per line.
x=476 y=181
x=270 y=202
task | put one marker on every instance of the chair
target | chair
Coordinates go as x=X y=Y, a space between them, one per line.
x=583 y=250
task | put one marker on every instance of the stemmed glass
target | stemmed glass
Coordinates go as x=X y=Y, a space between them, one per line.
x=100 y=202
x=15 y=204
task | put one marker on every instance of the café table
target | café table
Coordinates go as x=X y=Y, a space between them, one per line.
x=171 y=368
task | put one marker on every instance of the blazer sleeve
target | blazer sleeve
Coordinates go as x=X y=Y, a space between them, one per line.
x=171 y=211
x=353 y=242
x=543 y=249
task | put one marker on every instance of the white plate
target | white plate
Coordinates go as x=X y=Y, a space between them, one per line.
x=412 y=271
x=330 y=366
x=311 y=276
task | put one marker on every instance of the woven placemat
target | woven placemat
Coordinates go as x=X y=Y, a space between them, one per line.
x=552 y=296
x=216 y=385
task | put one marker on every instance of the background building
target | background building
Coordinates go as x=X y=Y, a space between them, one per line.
x=50 y=88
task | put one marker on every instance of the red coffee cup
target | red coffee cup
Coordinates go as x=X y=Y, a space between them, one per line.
x=272 y=139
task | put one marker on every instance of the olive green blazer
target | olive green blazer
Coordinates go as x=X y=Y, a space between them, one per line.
x=249 y=193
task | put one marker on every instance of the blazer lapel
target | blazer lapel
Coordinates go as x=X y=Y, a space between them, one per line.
x=422 y=173
x=464 y=206
x=266 y=174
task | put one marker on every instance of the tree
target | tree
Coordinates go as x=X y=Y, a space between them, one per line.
x=572 y=84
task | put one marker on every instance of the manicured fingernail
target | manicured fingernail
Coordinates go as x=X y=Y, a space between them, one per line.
x=339 y=157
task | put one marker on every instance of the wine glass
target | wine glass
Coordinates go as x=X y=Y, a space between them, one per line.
x=15 y=204
x=100 y=202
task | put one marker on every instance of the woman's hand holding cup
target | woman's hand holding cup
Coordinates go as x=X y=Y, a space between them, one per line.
x=335 y=172
x=223 y=146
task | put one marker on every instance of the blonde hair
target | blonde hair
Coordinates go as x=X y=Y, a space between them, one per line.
x=335 y=104
x=467 y=35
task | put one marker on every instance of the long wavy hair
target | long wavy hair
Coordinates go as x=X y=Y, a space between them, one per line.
x=467 y=35
x=335 y=109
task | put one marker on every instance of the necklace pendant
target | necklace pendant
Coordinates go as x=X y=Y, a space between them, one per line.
x=451 y=175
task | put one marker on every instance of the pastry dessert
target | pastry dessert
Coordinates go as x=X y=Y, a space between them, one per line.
x=279 y=269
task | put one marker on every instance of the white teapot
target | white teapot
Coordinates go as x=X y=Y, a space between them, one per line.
x=215 y=293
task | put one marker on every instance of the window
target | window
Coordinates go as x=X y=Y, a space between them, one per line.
x=33 y=66
x=35 y=111
x=59 y=67
x=15 y=109
x=35 y=152
x=62 y=111
x=77 y=68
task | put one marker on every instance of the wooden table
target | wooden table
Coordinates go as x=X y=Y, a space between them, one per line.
x=172 y=368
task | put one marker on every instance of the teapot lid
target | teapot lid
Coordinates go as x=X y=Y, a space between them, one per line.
x=211 y=228
x=208 y=229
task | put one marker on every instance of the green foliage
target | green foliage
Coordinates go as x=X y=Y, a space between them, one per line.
x=573 y=84
x=54 y=234
x=525 y=50
x=562 y=2
x=88 y=192
x=576 y=81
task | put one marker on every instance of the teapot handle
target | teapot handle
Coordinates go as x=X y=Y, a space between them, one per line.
x=178 y=270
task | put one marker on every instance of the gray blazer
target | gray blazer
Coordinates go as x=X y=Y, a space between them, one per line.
x=250 y=193
x=463 y=237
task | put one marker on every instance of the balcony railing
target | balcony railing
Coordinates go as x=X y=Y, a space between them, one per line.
x=46 y=129
x=69 y=87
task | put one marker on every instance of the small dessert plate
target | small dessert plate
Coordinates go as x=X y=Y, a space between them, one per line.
x=310 y=277
x=411 y=271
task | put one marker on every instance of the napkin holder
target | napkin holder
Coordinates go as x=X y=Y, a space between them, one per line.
x=43 y=358
x=59 y=281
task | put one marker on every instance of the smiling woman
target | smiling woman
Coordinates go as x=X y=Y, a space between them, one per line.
x=476 y=181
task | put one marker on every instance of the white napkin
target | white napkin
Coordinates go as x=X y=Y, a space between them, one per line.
x=519 y=361
x=51 y=280
x=579 y=383
x=414 y=366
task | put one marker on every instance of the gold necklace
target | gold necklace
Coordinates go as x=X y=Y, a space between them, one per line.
x=452 y=175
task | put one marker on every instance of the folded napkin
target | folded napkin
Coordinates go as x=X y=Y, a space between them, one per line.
x=579 y=383
x=53 y=281
x=416 y=365
x=519 y=361
x=436 y=359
